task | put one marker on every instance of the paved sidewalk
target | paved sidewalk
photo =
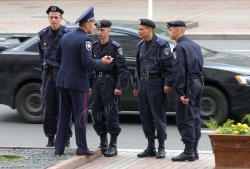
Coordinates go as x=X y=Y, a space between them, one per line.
x=216 y=19
x=128 y=160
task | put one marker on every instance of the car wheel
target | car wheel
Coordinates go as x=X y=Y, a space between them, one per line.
x=213 y=104
x=29 y=104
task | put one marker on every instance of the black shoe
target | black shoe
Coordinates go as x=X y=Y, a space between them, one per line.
x=67 y=142
x=112 y=149
x=51 y=142
x=188 y=153
x=89 y=153
x=196 y=154
x=149 y=152
x=161 y=153
x=104 y=143
x=183 y=157
x=111 y=152
x=57 y=153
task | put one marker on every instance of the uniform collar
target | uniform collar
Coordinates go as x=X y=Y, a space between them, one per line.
x=60 y=31
x=181 y=38
x=81 y=30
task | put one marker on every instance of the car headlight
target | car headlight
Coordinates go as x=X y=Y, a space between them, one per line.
x=243 y=79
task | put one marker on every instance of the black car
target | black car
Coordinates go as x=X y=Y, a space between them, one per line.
x=226 y=91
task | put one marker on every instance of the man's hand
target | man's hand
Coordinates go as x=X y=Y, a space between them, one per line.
x=117 y=92
x=184 y=100
x=167 y=89
x=135 y=92
x=106 y=60
x=90 y=91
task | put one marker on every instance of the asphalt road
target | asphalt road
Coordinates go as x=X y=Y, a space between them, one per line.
x=16 y=132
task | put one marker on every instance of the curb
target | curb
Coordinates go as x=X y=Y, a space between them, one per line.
x=77 y=161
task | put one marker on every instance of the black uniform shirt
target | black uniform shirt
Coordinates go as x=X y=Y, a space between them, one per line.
x=187 y=58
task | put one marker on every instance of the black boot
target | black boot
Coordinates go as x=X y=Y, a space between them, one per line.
x=51 y=142
x=67 y=142
x=188 y=153
x=161 y=153
x=150 y=151
x=104 y=143
x=196 y=155
x=112 y=149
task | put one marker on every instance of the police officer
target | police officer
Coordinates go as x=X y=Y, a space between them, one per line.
x=75 y=54
x=48 y=39
x=106 y=86
x=153 y=64
x=187 y=70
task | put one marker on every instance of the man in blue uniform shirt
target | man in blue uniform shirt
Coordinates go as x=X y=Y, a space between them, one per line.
x=48 y=39
x=74 y=52
x=187 y=80
x=154 y=79
x=106 y=86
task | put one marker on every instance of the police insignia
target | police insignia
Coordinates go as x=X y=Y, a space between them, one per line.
x=94 y=56
x=88 y=45
x=175 y=55
x=139 y=21
x=53 y=8
x=120 y=51
x=44 y=44
x=166 y=51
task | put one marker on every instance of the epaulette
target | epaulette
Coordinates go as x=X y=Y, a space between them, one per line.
x=65 y=29
x=160 y=41
x=42 y=31
x=95 y=42
x=116 y=44
x=140 y=42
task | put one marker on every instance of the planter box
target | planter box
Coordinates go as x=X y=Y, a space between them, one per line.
x=230 y=150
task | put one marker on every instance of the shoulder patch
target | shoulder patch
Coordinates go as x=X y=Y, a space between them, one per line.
x=65 y=29
x=160 y=41
x=140 y=42
x=95 y=42
x=42 y=31
x=116 y=44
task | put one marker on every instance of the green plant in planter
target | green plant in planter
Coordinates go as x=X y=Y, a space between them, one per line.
x=229 y=127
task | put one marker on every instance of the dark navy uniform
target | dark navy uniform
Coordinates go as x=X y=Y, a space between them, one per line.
x=187 y=62
x=104 y=82
x=75 y=54
x=154 y=72
x=151 y=94
x=189 y=129
x=47 y=44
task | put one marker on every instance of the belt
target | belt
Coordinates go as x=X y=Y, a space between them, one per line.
x=150 y=75
x=103 y=75
x=192 y=81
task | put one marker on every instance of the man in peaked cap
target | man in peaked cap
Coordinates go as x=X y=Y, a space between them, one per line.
x=48 y=39
x=106 y=86
x=154 y=75
x=187 y=71
x=74 y=52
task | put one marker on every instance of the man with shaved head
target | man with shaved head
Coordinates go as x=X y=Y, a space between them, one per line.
x=187 y=81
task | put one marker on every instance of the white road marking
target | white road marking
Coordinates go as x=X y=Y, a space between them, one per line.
x=239 y=50
x=206 y=131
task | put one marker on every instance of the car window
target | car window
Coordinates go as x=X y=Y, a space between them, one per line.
x=32 y=48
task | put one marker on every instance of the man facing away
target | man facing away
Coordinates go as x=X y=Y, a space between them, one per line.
x=75 y=54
